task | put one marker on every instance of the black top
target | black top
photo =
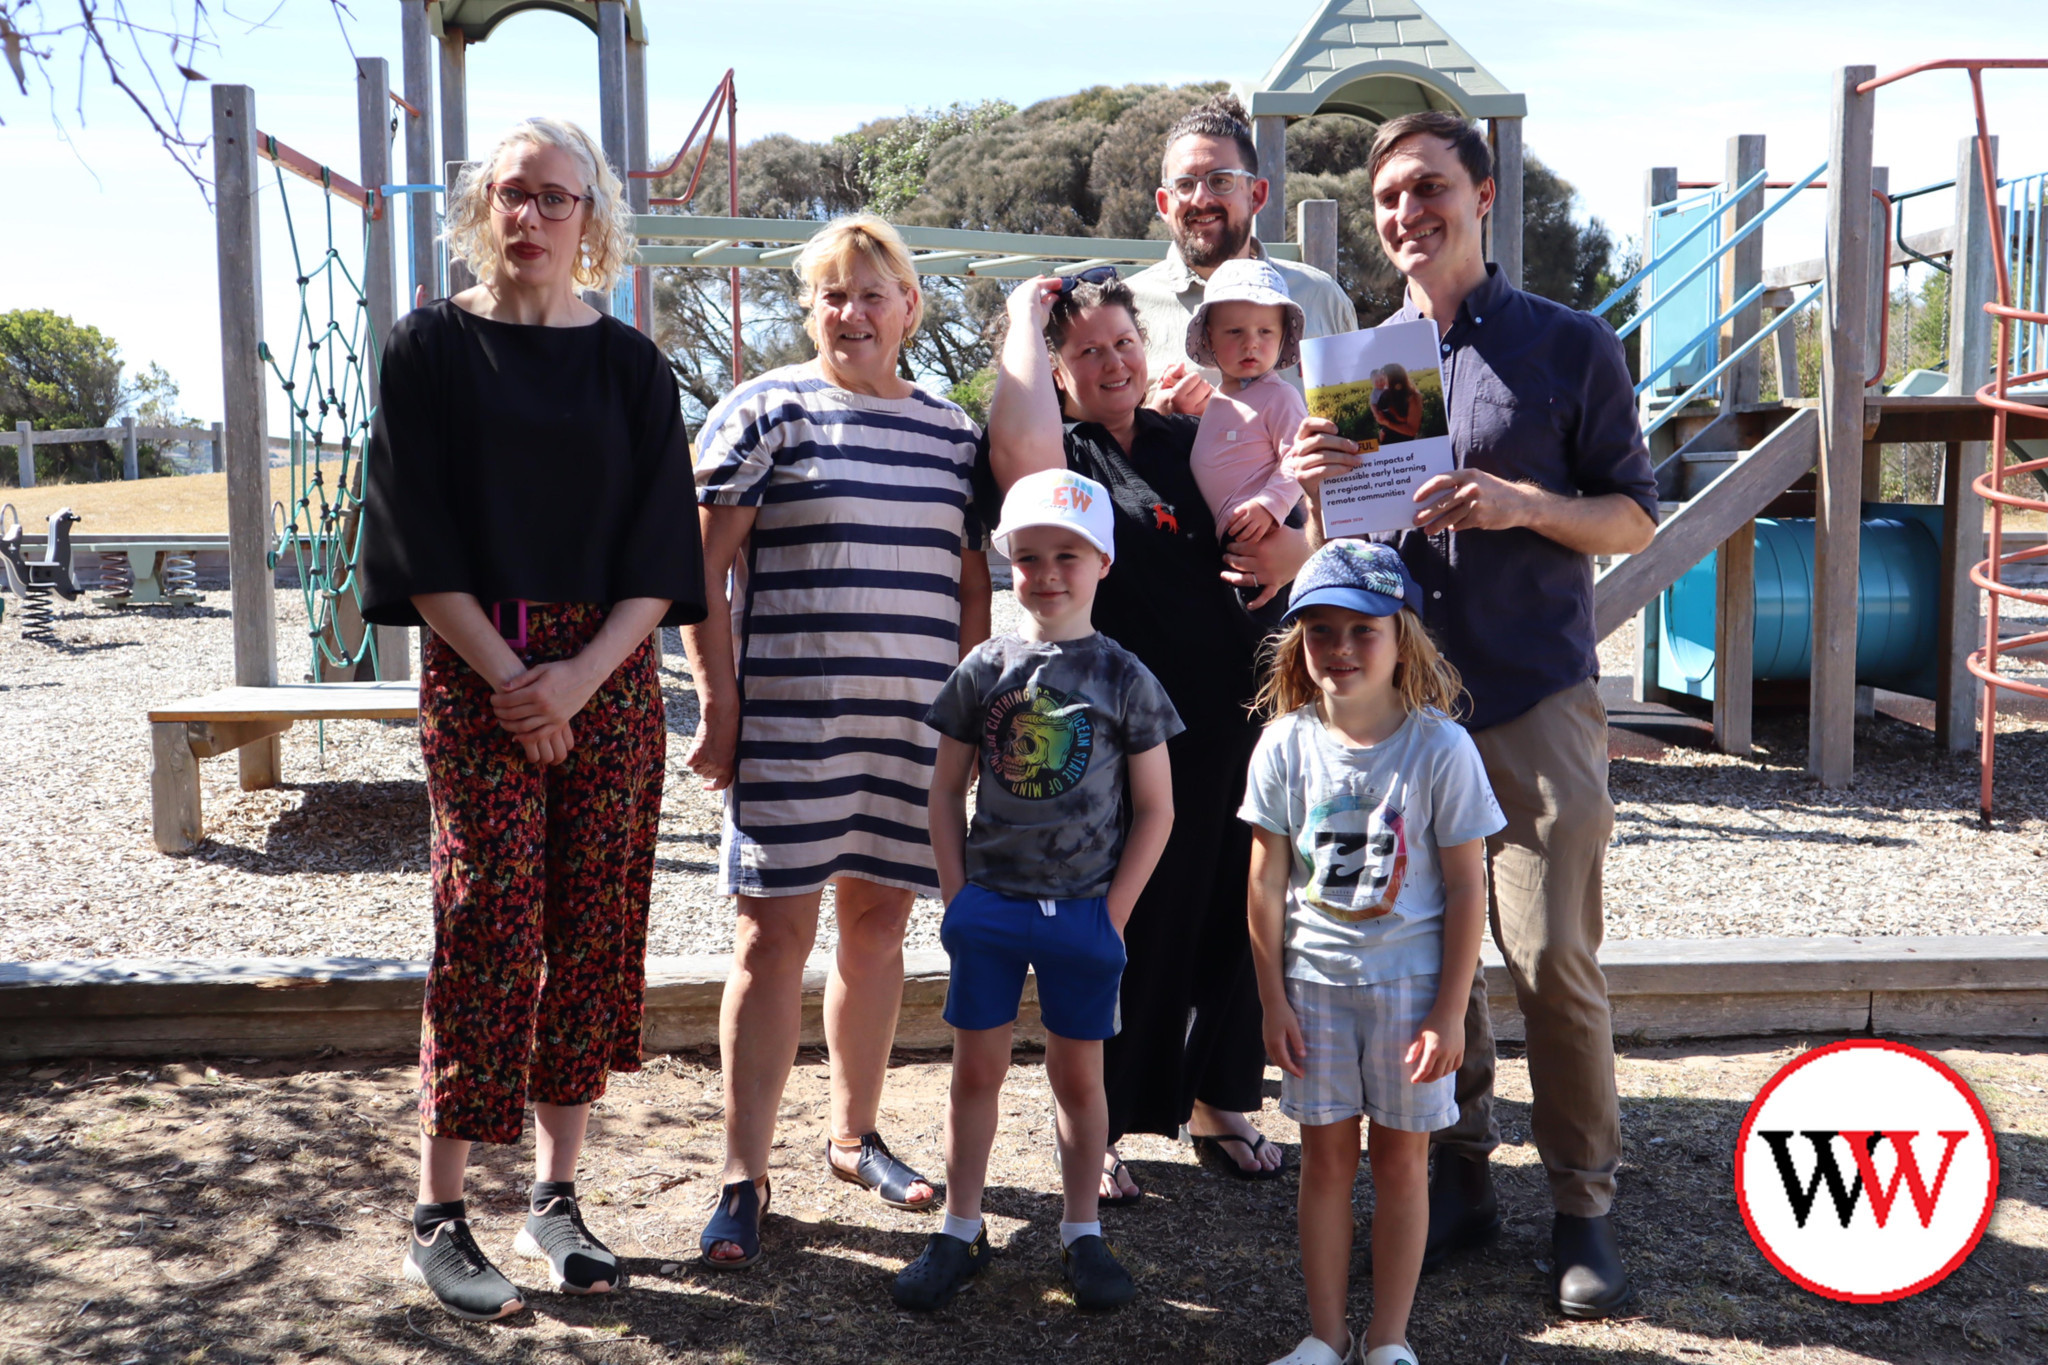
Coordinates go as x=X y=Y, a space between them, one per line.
x=1163 y=600
x=1539 y=394
x=544 y=463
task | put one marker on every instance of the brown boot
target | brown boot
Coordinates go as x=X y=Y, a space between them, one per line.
x=1463 y=1210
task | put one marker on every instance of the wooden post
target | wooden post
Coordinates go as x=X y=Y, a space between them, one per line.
x=418 y=44
x=1971 y=284
x=373 y=80
x=454 y=95
x=373 y=143
x=1316 y=229
x=25 y=452
x=219 y=456
x=1735 y=639
x=1504 y=224
x=1845 y=364
x=637 y=190
x=612 y=103
x=240 y=265
x=1880 y=295
x=1269 y=140
x=175 y=819
x=1660 y=186
x=1743 y=272
x=131 y=454
x=1786 y=341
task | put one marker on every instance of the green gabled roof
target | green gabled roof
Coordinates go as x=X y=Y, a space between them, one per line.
x=1380 y=59
x=476 y=18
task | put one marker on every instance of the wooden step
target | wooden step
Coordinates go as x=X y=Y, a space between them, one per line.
x=1971 y=987
x=399 y=700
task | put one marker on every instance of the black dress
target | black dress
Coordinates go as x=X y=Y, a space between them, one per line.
x=548 y=464
x=1191 y=1015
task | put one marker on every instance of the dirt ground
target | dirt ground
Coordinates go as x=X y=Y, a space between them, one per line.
x=223 y=1212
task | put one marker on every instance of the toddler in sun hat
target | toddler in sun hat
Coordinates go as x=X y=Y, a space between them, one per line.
x=1249 y=329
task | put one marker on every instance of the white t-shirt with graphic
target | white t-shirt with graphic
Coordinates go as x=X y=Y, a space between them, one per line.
x=1365 y=893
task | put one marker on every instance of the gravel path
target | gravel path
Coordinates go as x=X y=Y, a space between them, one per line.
x=334 y=864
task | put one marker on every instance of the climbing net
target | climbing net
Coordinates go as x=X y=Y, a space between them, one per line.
x=325 y=378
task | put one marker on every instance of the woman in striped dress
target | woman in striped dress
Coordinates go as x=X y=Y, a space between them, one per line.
x=833 y=496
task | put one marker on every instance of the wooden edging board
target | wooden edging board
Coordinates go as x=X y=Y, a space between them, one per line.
x=1661 y=989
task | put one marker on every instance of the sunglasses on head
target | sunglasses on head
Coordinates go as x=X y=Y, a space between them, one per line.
x=1101 y=274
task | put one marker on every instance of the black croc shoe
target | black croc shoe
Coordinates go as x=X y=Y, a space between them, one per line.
x=577 y=1262
x=1098 y=1280
x=454 y=1269
x=940 y=1271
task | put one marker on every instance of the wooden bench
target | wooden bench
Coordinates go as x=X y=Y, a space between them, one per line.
x=184 y=732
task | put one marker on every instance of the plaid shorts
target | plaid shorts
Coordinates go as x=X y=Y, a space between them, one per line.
x=1356 y=1036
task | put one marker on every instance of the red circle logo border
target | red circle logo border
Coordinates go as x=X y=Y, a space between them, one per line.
x=1884 y=1045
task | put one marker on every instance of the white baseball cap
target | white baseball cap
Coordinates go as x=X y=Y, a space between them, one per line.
x=1060 y=497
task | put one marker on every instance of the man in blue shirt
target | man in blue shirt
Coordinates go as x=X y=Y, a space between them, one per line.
x=1551 y=470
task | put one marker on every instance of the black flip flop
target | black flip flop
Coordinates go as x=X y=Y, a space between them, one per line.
x=1119 y=1201
x=881 y=1172
x=1209 y=1151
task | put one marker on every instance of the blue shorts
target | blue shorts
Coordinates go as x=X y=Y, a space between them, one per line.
x=1076 y=951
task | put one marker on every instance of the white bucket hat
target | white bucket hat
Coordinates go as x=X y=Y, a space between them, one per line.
x=1059 y=497
x=1246 y=279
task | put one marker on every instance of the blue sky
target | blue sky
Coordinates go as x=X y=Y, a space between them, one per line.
x=104 y=227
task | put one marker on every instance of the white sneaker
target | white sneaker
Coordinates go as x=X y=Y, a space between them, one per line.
x=1313 y=1350
x=1391 y=1355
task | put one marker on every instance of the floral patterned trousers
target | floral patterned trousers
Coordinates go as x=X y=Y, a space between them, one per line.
x=541 y=879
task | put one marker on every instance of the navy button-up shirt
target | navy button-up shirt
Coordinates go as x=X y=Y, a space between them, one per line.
x=1537 y=393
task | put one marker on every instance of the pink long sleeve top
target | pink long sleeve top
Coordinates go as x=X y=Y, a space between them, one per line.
x=1237 y=451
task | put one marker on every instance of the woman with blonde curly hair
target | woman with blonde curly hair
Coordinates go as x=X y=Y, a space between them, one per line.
x=833 y=504
x=529 y=499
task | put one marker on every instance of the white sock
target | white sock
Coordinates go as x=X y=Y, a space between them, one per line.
x=966 y=1229
x=1071 y=1233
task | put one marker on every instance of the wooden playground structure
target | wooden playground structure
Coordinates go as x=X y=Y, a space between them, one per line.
x=1726 y=458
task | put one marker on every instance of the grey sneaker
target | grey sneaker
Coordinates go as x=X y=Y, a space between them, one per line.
x=577 y=1262
x=454 y=1269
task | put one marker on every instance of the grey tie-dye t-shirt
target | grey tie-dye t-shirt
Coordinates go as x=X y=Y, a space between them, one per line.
x=1051 y=722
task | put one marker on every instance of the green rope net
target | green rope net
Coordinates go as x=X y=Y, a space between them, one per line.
x=325 y=379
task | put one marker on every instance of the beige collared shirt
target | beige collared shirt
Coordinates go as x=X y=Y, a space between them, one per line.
x=1169 y=293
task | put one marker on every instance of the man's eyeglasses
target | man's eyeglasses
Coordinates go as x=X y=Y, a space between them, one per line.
x=1219 y=183
x=557 y=206
x=1100 y=274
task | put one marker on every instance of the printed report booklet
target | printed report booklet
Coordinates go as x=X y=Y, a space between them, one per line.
x=1384 y=389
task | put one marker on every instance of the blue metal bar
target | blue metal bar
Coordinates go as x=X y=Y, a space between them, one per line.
x=388 y=190
x=1680 y=205
x=1702 y=225
x=1729 y=244
x=1678 y=403
x=1709 y=330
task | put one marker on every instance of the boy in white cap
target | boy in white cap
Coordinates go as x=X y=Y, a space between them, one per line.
x=1248 y=329
x=1066 y=731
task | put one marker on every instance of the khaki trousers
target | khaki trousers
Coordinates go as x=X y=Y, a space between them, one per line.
x=1549 y=771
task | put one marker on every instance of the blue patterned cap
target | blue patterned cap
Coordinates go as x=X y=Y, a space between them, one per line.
x=1361 y=575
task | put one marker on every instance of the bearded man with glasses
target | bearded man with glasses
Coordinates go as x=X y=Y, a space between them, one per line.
x=1209 y=191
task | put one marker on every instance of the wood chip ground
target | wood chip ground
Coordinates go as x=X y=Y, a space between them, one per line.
x=334 y=863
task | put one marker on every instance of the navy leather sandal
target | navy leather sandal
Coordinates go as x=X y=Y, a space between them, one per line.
x=738 y=1220
x=881 y=1172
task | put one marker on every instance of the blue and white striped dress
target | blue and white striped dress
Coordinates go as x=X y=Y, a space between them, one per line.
x=846 y=620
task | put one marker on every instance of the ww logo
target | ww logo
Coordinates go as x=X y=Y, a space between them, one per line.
x=1831 y=1145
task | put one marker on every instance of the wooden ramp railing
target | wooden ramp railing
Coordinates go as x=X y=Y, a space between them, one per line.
x=1724 y=507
